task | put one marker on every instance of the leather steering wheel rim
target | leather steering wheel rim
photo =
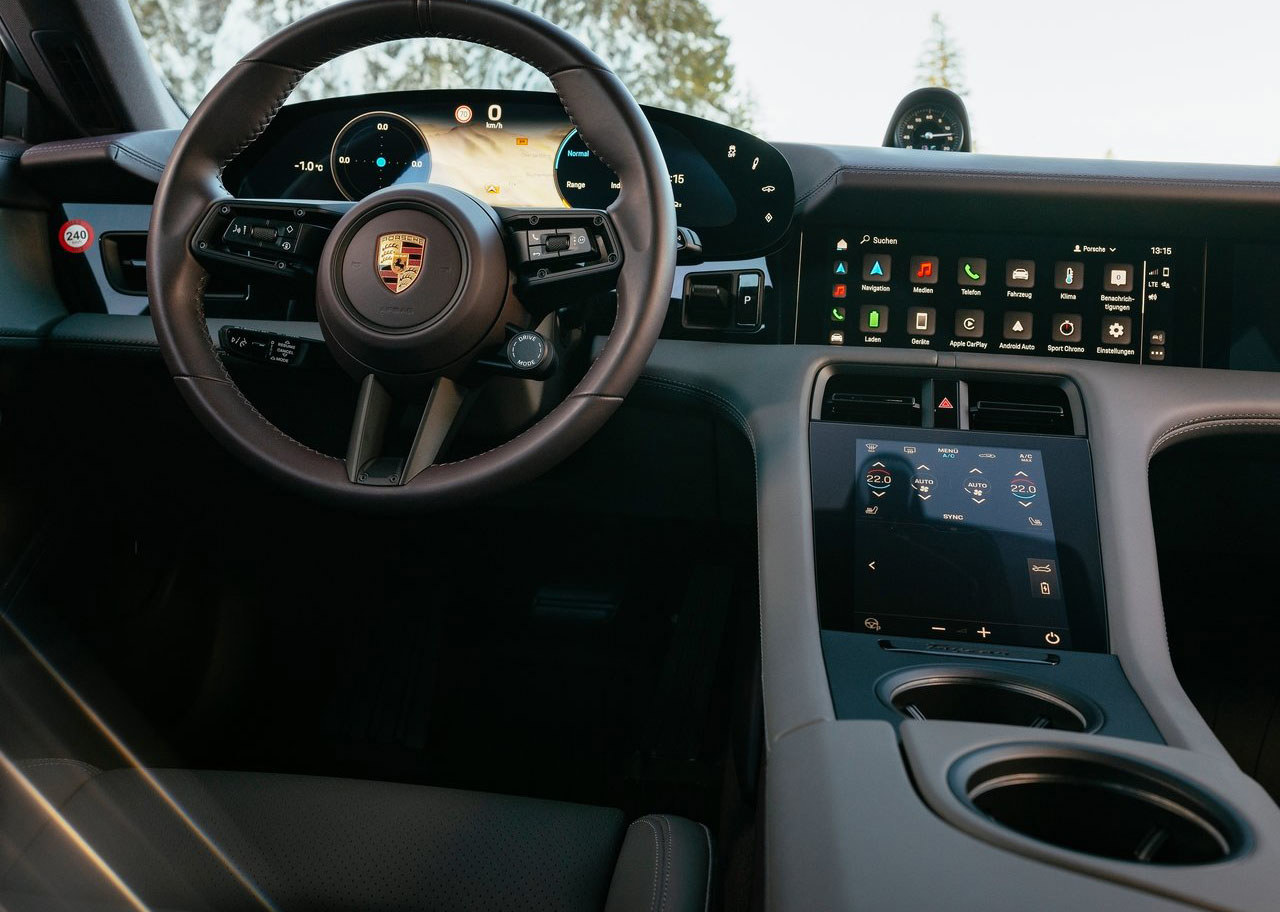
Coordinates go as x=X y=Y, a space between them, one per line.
x=240 y=107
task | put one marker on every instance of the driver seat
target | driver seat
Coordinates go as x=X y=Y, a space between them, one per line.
x=76 y=837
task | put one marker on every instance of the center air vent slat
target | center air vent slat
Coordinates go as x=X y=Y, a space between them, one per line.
x=1025 y=408
x=874 y=400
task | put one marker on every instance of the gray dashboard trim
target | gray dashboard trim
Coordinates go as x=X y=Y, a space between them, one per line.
x=1246 y=881
x=110 y=332
x=818 y=169
x=29 y=301
x=105 y=219
x=845 y=829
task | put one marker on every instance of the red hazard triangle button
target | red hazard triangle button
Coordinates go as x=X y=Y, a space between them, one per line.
x=945 y=403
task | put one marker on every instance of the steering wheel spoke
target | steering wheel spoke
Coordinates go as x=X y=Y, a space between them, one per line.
x=555 y=252
x=378 y=415
x=280 y=237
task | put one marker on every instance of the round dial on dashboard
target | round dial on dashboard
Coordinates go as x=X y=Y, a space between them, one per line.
x=378 y=150
x=930 y=127
x=582 y=179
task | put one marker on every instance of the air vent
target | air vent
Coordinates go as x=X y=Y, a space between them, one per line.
x=1020 y=408
x=124 y=263
x=873 y=400
x=124 y=260
x=78 y=81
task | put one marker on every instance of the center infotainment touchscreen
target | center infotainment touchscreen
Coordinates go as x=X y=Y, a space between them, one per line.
x=924 y=536
x=1087 y=296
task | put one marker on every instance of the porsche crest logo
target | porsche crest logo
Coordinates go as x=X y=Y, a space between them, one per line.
x=400 y=259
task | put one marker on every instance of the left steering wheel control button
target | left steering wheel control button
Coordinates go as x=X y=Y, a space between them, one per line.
x=265 y=234
x=279 y=239
x=263 y=348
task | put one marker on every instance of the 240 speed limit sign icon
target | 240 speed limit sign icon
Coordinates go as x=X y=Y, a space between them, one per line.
x=75 y=236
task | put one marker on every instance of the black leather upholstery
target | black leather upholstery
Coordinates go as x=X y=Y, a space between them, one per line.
x=232 y=841
x=665 y=865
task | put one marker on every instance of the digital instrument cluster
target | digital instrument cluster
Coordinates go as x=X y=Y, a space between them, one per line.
x=1077 y=297
x=515 y=150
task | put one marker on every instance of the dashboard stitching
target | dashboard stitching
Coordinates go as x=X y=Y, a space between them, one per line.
x=1100 y=180
x=140 y=158
x=59 y=146
x=1209 y=422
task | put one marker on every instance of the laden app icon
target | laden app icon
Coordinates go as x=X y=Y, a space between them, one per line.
x=400 y=259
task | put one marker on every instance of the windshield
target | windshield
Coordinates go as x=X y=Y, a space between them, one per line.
x=1161 y=82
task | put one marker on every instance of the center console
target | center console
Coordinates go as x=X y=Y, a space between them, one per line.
x=960 y=596
x=957 y=563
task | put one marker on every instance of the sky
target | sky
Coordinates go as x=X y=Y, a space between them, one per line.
x=1161 y=80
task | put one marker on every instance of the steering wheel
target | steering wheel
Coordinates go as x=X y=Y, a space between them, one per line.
x=421 y=292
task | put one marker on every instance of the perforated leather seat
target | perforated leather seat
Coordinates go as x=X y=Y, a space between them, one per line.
x=169 y=839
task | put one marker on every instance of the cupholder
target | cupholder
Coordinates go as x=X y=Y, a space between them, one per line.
x=1098 y=804
x=972 y=696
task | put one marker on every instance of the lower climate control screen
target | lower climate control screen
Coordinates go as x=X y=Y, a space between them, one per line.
x=1081 y=297
x=956 y=537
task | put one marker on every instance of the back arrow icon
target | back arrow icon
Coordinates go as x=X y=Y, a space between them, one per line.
x=872 y=565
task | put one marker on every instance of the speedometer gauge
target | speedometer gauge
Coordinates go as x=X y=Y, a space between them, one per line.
x=930 y=127
x=378 y=150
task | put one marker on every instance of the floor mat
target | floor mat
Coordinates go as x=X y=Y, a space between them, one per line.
x=584 y=666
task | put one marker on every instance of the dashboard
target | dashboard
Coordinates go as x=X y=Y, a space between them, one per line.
x=888 y=249
x=515 y=150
